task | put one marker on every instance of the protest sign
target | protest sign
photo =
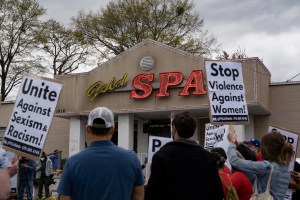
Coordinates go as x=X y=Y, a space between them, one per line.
x=291 y=138
x=226 y=93
x=216 y=136
x=155 y=143
x=32 y=115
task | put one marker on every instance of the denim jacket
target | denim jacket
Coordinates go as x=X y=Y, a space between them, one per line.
x=280 y=176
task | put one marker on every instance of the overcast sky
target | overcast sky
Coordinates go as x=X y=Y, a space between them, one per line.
x=269 y=30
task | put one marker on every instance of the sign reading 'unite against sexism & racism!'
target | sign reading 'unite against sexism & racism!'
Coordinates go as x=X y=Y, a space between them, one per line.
x=32 y=115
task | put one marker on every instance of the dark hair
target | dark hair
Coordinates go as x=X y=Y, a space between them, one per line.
x=220 y=160
x=44 y=154
x=246 y=152
x=99 y=131
x=274 y=148
x=220 y=151
x=185 y=124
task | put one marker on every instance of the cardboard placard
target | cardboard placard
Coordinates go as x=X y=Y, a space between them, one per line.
x=32 y=116
x=216 y=136
x=155 y=143
x=226 y=93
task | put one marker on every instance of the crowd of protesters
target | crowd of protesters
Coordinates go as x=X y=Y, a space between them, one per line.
x=181 y=169
x=252 y=163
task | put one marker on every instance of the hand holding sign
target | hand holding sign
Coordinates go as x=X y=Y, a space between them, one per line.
x=231 y=135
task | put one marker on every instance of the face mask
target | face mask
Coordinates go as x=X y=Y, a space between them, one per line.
x=42 y=159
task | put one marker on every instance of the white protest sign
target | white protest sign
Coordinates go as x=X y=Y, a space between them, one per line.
x=216 y=136
x=155 y=143
x=226 y=92
x=32 y=115
x=291 y=138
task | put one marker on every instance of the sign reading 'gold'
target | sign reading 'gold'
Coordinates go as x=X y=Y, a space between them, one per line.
x=99 y=87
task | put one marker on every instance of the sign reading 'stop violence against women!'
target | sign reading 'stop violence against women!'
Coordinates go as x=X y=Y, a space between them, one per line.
x=32 y=115
x=226 y=92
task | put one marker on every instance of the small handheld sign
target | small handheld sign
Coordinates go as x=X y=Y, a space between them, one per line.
x=32 y=115
x=226 y=93
x=155 y=143
x=216 y=136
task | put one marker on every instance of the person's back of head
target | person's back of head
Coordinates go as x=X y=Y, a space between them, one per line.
x=185 y=124
x=44 y=155
x=220 y=160
x=219 y=150
x=246 y=152
x=100 y=121
x=274 y=148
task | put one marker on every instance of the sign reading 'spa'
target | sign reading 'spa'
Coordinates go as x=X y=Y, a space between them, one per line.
x=226 y=92
x=32 y=115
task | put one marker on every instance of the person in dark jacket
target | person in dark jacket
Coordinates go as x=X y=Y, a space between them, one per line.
x=182 y=169
x=27 y=168
x=43 y=174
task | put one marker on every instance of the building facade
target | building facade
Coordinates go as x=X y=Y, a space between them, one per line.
x=141 y=87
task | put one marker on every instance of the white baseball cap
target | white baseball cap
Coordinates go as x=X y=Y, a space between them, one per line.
x=101 y=113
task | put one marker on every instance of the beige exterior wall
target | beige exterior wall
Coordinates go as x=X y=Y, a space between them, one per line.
x=285 y=105
x=74 y=101
x=285 y=110
x=261 y=85
x=58 y=137
x=6 y=109
x=285 y=100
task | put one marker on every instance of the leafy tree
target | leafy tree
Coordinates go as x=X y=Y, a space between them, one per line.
x=124 y=23
x=238 y=54
x=64 y=48
x=18 y=22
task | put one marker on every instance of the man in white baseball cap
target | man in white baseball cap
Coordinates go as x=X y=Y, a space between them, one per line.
x=103 y=170
x=101 y=117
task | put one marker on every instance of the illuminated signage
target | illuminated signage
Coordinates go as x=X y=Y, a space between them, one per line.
x=99 y=87
x=142 y=85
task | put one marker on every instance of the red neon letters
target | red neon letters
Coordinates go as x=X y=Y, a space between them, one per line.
x=143 y=87
x=168 y=79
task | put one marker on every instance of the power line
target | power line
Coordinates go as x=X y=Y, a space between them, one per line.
x=293 y=77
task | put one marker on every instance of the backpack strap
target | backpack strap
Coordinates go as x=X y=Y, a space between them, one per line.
x=225 y=181
x=268 y=184
x=269 y=180
x=255 y=186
